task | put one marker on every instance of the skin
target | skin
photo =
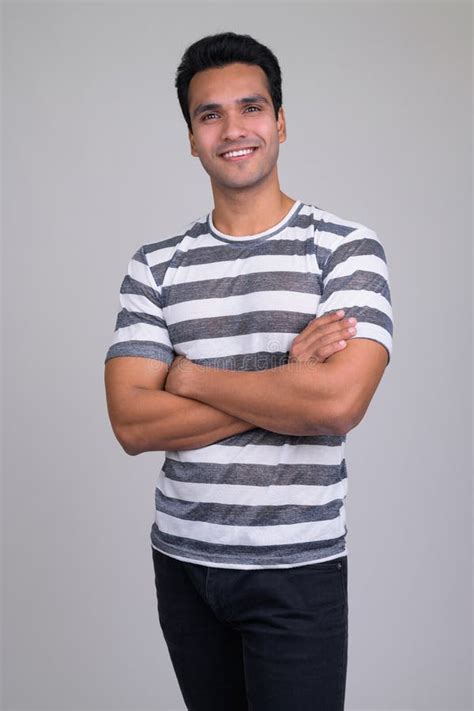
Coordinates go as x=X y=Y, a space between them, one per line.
x=329 y=380
x=248 y=200
x=247 y=194
x=145 y=417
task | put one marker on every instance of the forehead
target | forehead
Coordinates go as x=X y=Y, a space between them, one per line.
x=225 y=84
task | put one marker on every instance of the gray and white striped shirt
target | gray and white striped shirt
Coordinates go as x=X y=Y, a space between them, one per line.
x=258 y=499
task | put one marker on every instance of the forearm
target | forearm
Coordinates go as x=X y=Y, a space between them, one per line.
x=160 y=421
x=295 y=399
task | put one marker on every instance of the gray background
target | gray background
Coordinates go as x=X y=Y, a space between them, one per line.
x=96 y=162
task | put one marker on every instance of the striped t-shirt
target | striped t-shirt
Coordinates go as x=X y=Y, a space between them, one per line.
x=258 y=499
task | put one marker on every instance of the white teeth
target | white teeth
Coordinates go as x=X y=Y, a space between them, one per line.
x=243 y=152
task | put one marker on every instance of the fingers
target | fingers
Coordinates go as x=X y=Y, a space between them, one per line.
x=344 y=330
x=320 y=343
x=323 y=352
x=323 y=336
x=318 y=322
x=329 y=323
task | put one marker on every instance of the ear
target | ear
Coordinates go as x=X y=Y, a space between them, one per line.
x=281 y=123
x=192 y=144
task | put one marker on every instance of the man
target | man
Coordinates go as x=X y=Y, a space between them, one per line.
x=231 y=355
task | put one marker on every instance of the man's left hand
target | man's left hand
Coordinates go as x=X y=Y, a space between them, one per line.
x=181 y=376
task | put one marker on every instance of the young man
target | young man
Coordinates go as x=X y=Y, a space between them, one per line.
x=230 y=355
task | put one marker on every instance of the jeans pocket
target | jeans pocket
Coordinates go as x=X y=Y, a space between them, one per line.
x=325 y=565
x=320 y=586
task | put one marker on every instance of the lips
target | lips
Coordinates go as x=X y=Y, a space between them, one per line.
x=236 y=158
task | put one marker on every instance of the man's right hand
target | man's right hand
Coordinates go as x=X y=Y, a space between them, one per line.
x=322 y=337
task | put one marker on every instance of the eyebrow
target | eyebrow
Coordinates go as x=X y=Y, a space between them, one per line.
x=255 y=99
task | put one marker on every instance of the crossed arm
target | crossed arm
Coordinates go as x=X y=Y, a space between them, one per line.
x=187 y=406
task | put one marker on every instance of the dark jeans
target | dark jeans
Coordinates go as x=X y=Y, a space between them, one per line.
x=255 y=640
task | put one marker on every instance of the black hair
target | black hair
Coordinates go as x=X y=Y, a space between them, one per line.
x=219 y=50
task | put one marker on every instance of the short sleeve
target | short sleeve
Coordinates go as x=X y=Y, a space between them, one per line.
x=355 y=278
x=140 y=328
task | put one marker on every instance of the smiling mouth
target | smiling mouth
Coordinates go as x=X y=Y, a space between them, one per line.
x=241 y=156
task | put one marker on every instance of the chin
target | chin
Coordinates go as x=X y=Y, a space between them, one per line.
x=239 y=184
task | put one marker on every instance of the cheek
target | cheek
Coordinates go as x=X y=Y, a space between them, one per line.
x=201 y=142
x=266 y=126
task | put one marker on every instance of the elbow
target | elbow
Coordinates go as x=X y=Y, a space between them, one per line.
x=342 y=425
x=338 y=406
x=333 y=406
x=131 y=451
x=330 y=423
x=346 y=419
x=124 y=437
x=338 y=420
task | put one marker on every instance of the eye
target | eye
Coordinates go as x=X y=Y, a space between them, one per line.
x=204 y=118
x=206 y=115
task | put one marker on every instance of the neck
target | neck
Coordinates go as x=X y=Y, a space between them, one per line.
x=247 y=212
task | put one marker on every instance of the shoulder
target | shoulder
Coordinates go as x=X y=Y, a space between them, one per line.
x=162 y=254
x=333 y=232
x=332 y=227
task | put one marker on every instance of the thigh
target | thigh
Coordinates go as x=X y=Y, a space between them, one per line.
x=206 y=652
x=294 y=624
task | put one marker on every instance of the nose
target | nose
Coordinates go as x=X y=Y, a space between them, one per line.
x=233 y=127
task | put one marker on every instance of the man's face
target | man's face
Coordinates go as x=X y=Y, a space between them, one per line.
x=233 y=125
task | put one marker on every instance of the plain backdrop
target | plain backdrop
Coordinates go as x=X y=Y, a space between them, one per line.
x=96 y=162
